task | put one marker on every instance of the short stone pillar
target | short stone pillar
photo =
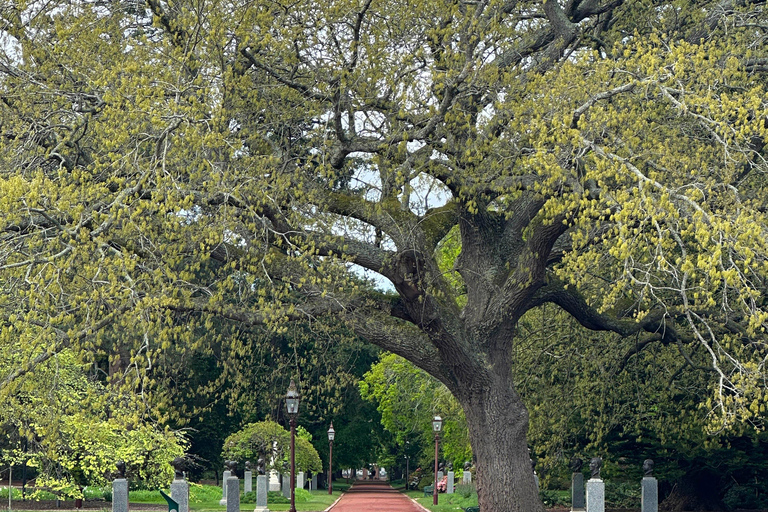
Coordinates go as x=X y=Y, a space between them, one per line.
x=578 y=503
x=313 y=482
x=248 y=478
x=449 y=485
x=224 y=479
x=233 y=494
x=536 y=480
x=120 y=495
x=649 y=497
x=287 y=485
x=466 y=478
x=180 y=494
x=595 y=495
x=300 y=480
x=274 y=480
x=439 y=476
x=261 y=494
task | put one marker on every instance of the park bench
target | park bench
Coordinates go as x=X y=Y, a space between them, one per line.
x=428 y=490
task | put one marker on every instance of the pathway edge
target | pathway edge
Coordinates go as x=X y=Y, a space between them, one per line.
x=422 y=507
x=334 y=503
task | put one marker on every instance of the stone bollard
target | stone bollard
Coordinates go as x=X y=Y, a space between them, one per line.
x=233 y=493
x=261 y=494
x=649 y=499
x=120 y=490
x=578 y=503
x=180 y=486
x=287 y=485
x=595 y=488
x=248 y=477
x=227 y=474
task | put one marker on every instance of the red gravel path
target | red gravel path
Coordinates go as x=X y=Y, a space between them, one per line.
x=372 y=496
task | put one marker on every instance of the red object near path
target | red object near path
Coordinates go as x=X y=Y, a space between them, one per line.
x=373 y=496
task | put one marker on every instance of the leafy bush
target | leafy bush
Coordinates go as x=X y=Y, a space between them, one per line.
x=302 y=496
x=4 y=493
x=276 y=497
x=622 y=494
x=248 y=497
x=745 y=497
x=38 y=494
x=97 y=493
x=466 y=490
x=552 y=498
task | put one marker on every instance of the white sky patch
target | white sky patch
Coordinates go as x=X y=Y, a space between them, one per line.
x=11 y=49
x=378 y=281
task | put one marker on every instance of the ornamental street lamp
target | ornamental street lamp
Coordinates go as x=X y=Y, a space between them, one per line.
x=437 y=425
x=292 y=404
x=407 y=460
x=331 y=435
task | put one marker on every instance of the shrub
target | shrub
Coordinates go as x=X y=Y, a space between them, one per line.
x=745 y=497
x=552 y=498
x=276 y=497
x=622 y=494
x=97 y=493
x=466 y=490
x=4 y=493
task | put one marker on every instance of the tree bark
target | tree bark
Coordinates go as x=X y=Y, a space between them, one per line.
x=498 y=425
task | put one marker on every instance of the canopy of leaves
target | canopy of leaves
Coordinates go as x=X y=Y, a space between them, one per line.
x=73 y=430
x=270 y=441
x=168 y=165
x=408 y=398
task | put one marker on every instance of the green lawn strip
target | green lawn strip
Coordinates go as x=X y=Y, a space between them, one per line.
x=206 y=499
x=318 y=500
x=445 y=502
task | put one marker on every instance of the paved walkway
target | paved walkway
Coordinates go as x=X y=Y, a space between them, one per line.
x=373 y=496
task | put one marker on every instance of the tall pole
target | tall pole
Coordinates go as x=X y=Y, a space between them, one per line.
x=330 y=467
x=293 y=465
x=406 y=472
x=434 y=487
x=407 y=460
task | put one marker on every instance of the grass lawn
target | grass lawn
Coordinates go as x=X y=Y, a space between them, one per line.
x=318 y=501
x=445 y=502
x=205 y=498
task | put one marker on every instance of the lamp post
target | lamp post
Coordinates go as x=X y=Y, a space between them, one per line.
x=407 y=460
x=437 y=425
x=292 y=404
x=331 y=435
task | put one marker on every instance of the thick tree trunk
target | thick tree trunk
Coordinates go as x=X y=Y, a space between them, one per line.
x=498 y=424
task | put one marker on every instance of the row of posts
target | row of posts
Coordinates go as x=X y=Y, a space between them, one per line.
x=594 y=501
x=179 y=499
x=589 y=498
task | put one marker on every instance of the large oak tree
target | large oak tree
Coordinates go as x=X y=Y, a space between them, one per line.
x=191 y=159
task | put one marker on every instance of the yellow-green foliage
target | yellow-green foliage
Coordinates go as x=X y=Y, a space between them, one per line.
x=408 y=398
x=169 y=167
x=73 y=430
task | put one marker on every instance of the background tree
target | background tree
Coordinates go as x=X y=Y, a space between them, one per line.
x=70 y=429
x=236 y=159
x=270 y=441
x=408 y=399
